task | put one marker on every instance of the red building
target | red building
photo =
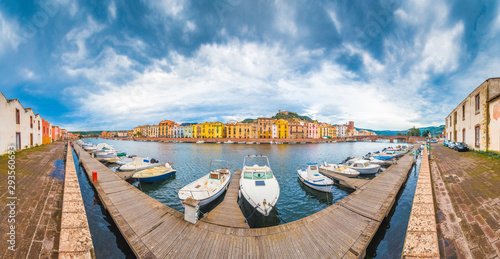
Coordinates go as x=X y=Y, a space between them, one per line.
x=351 y=125
x=56 y=133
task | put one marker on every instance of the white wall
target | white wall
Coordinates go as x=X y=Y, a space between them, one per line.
x=9 y=127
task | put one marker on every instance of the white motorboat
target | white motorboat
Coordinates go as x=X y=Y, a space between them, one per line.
x=339 y=169
x=258 y=186
x=250 y=142
x=312 y=178
x=209 y=187
x=106 y=154
x=200 y=142
x=139 y=164
x=379 y=162
x=126 y=159
x=90 y=147
x=363 y=166
x=229 y=142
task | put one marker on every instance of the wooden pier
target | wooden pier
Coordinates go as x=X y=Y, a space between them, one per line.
x=353 y=183
x=343 y=230
x=228 y=213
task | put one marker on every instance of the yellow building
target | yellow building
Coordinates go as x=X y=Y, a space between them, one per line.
x=212 y=130
x=265 y=127
x=241 y=130
x=283 y=129
x=324 y=130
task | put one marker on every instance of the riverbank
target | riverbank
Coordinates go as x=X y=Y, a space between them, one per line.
x=38 y=194
x=468 y=196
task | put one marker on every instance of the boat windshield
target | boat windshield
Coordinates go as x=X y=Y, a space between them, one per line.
x=258 y=175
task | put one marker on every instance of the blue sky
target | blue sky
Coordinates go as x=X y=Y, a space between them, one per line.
x=388 y=64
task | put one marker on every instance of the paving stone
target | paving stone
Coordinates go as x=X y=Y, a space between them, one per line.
x=421 y=244
x=489 y=233
x=480 y=220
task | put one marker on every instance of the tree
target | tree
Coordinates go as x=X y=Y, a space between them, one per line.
x=401 y=134
x=413 y=132
x=425 y=133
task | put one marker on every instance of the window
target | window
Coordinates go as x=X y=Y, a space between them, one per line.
x=455 y=117
x=31 y=121
x=463 y=135
x=477 y=103
x=463 y=112
x=477 y=136
x=18 y=120
x=38 y=125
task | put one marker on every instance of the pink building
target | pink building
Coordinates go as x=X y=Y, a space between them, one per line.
x=312 y=130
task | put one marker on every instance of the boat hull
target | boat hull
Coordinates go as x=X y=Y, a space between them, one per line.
x=208 y=200
x=155 y=178
x=315 y=186
x=373 y=170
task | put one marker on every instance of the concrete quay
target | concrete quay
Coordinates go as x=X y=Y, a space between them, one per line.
x=75 y=240
x=468 y=201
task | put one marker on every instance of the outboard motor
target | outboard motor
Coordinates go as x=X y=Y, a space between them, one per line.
x=154 y=161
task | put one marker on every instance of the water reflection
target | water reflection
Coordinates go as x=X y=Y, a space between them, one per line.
x=192 y=162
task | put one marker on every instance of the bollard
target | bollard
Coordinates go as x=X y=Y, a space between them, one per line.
x=94 y=176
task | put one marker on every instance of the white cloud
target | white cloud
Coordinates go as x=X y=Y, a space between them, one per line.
x=335 y=20
x=236 y=81
x=112 y=10
x=77 y=39
x=28 y=74
x=285 y=16
x=8 y=36
x=171 y=8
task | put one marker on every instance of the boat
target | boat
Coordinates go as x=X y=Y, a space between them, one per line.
x=106 y=154
x=258 y=186
x=218 y=142
x=200 y=142
x=241 y=142
x=126 y=159
x=209 y=187
x=339 y=169
x=384 y=156
x=250 y=142
x=312 y=178
x=155 y=174
x=139 y=164
x=378 y=162
x=363 y=166
x=229 y=142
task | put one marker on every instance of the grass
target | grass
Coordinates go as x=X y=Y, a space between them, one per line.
x=489 y=153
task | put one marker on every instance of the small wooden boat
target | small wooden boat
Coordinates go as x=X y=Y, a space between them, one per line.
x=209 y=187
x=339 y=169
x=313 y=179
x=155 y=174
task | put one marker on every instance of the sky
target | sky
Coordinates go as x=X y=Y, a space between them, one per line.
x=113 y=65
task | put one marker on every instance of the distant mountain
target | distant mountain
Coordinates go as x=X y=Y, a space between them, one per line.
x=85 y=133
x=435 y=130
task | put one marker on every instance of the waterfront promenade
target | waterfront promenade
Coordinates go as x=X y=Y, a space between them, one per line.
x=39 y=191
x=342 y=230
x=467 y=188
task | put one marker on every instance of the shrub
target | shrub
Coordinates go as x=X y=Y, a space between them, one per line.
x=489 y=153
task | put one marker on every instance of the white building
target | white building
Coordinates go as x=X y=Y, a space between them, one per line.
x=153 y=131
x=341 y=131
x=476 y=120
x=188 y=131
x=274 y=131
x=178 y=131
x=19 y=127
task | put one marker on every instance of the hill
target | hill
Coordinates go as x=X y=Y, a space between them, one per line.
x=291 y=115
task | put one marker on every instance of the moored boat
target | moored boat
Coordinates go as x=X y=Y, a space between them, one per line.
x=209 y=187
x=339 y=169
x=200 y=142
x=363 y=166
x=312 y=178
x=139 y=164
x=155 y=174
x=258 y=186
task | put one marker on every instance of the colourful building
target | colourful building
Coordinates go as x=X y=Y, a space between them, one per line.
x=46 y=132
x=312 y=130
x=212 y=130
x=265 y=127
x=56 y=133
x=163 y=128
x=283 y=131
x=298 y=129
x=237 y=130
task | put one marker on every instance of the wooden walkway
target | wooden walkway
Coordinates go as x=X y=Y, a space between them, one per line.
x=353 y=183
x=343 y=230
x=228 y=213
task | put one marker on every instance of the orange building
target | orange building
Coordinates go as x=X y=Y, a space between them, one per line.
x=46 y=132
x=56 y=133
x=241 y=130
x=165 y=128
x=265 y=127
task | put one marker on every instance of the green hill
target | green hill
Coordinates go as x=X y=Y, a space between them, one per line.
x=435 y=130
x=291 y=115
